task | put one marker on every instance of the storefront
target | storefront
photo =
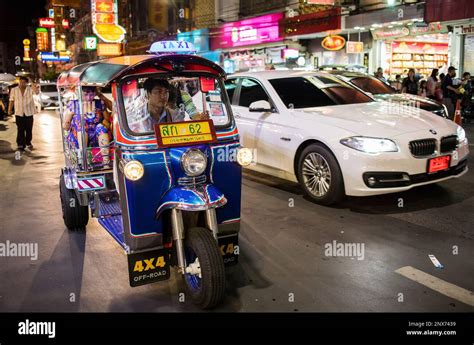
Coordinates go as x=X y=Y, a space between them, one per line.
x=250 y=44
x=385 y=26
x=415 y=45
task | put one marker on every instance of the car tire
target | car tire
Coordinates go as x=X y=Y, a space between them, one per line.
x=320 y=176
x=75 y=216
x=208 y=291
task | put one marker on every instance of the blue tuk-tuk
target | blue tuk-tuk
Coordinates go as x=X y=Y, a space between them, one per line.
x=152 y=149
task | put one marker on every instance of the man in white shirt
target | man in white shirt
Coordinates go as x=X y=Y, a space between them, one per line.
x=22 y=97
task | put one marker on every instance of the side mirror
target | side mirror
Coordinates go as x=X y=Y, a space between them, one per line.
x=260 y=106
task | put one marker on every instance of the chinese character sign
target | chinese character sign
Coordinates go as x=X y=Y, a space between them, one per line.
x=105 y=21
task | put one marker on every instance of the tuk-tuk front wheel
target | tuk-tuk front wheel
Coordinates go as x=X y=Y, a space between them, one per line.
x=205 y=273
x=75 y=216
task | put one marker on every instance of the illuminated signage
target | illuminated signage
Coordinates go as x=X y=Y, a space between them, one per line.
x=199 y=38
x=353 y=47
x=46 y=22
x=41 y=39
x=291 y=53
x=105 y=21
x=431 y=28
x=311 y=23
x=65 y=23
x=109 y=49
x=256 y=30
x=51 y=13
x=333 y=42
x=26 y=50
x=60 y=45
x=381 y=34
x=90 y=43
x=55 y=57
x=168 y=47
x=320 y=2
x=53 y=39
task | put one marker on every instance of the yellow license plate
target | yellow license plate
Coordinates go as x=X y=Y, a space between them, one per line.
x=184 y=133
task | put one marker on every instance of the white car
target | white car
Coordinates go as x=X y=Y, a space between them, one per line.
x=335 y=140
x=49 y=95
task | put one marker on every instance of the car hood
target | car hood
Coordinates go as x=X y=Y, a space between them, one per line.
x=425 y=103
x=376 y=119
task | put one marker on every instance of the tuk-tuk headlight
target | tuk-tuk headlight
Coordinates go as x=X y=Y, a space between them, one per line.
x=133 y=170
x=194 y=162
x=244 y=156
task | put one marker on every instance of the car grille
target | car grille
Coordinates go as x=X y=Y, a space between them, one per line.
x=423 y=147
x=192 y=181
x=448 y=144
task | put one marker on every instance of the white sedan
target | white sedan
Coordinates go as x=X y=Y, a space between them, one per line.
x=335 y=140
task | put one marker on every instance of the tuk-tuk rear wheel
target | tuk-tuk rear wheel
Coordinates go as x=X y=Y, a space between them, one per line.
x=208 y=290
x=75 y=216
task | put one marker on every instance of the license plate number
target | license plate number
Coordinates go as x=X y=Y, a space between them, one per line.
x=185 y=133
x=438 y=164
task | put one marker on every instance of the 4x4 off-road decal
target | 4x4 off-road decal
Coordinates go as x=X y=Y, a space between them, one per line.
x=91 y=183
x=148 y=267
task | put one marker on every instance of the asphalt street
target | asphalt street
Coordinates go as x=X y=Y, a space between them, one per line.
x=284 y=263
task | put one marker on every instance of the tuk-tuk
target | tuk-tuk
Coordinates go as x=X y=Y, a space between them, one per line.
x=167 y=188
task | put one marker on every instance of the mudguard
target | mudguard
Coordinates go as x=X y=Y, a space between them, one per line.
x=197 y=198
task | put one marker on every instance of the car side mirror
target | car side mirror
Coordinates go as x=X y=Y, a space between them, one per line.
x=260 y=107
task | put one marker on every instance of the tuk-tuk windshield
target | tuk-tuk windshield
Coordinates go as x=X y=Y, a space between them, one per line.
x=148 y=101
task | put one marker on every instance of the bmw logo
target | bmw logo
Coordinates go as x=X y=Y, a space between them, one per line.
x=432 y=131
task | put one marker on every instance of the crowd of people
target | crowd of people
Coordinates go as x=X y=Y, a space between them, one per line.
x=445 y=88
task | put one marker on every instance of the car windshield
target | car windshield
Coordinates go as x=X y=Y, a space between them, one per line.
x=309 y=92
x=148 y=101
x=49 y=88
x=372 y=85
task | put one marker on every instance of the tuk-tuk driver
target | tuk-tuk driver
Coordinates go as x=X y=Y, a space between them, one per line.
x=158 y=94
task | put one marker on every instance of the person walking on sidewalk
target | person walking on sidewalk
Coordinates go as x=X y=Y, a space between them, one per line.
x=22 y=98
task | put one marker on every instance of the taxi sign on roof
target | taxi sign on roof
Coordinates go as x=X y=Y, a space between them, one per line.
x=170 y=47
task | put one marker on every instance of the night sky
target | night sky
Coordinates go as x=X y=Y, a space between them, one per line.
x=15 y=17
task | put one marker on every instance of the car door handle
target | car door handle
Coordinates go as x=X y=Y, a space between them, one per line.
x=285 y=139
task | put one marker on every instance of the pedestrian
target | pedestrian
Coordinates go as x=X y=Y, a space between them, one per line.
x=422 y=90
x=433 y=87
x=409 y=84
x=441 y=78
x=449 y=91
x=397 y=84
x=21 y=97
x=379 y=75
x=467 y=93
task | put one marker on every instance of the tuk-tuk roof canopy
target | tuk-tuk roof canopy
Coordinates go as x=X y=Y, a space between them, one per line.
x=103 y=72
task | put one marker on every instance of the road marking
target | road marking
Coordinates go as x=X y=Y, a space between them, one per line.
x=439 y=285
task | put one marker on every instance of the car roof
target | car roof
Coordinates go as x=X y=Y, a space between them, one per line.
x=350 y=74
x=275 y=74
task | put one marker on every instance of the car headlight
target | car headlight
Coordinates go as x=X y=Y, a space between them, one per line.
x=370 y=145
x=45 y=97
x=461 y=133
x=194 y=162
x=244 y=156
x=133 y=170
